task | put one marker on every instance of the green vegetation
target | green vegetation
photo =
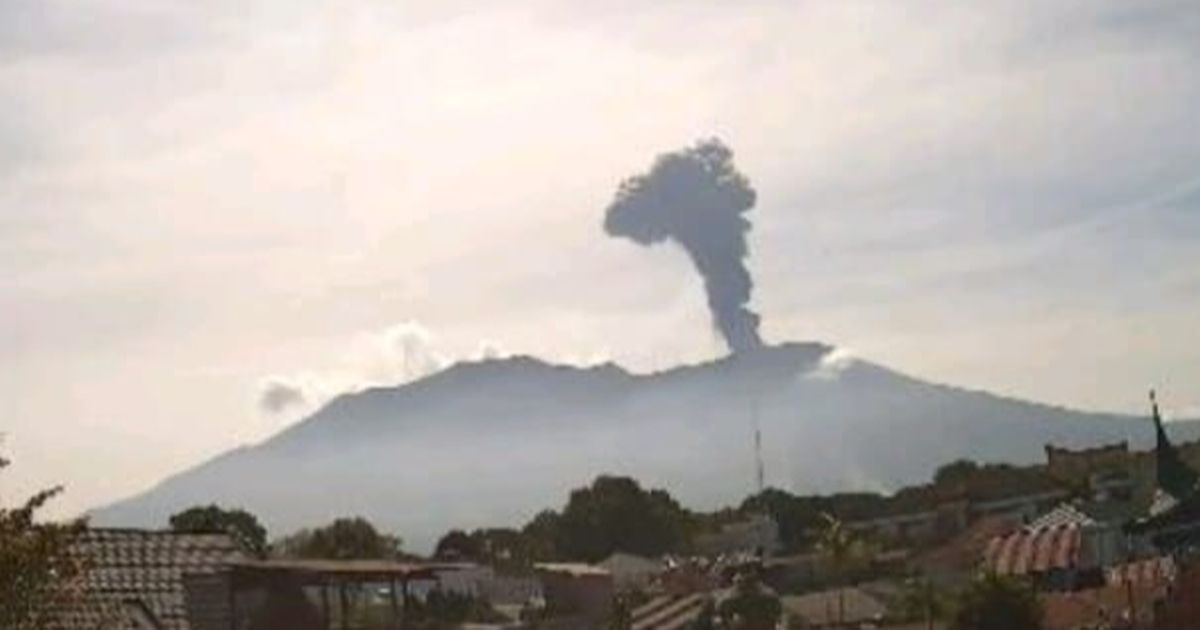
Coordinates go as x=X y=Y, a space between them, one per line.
x=612 y=514
x=845 y=552
x=801 y=518
x=921 y=601
x=751 y=607
x=343 y=539
x=36 y=569
x=212 y=519
x=445 y=609
x=992 y=602
x=616 y=514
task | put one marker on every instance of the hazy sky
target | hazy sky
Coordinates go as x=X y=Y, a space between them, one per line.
x=204 y=201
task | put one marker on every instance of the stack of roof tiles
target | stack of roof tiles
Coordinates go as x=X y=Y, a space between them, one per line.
x=135 y=578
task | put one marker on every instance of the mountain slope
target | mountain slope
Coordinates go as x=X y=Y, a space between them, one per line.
x=492 y=442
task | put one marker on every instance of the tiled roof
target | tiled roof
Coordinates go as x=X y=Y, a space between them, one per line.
x=1107 y=606
x=145 y=570
x=1151 y=571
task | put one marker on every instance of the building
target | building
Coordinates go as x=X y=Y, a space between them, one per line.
x=843 y=607
x=931 y=514
x=164 y=580
x=630 y=571
x=581 y=592
x=137 y=579
x=309 y=594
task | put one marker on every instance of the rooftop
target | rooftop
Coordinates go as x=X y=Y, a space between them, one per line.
x=132 y=571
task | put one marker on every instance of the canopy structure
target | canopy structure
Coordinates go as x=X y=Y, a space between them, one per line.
x=327 y=572
x=322 y=594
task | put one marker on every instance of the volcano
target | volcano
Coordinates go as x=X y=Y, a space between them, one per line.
x=490 y=443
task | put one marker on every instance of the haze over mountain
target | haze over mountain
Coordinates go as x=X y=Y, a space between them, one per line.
x=492 y=442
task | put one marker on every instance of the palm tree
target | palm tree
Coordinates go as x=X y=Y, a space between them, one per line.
x=844 y=550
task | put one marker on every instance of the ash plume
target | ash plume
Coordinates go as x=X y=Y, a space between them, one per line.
x=697 y=198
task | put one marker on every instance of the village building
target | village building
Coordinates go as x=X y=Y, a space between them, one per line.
x=165 y=580
x=927 y=515
x=849 y=607
x=146 y=580
x=631 y=572
x=576 y=592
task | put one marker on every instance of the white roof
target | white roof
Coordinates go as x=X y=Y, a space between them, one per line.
x=621 y=562
x=571 y=568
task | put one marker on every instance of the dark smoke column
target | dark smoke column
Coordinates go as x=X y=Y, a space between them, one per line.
x=697 y=198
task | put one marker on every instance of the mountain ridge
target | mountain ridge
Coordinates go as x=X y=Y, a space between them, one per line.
x=491 y=442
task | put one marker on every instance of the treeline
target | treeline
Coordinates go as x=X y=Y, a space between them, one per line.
x=611 y=514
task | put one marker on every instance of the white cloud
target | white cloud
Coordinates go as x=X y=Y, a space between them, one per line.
x=831 y=365
x=400 y=353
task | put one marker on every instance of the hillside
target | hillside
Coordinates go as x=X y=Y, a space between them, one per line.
x=492 y=442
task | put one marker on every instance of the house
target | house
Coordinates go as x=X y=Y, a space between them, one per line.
x=1180 y=608
x=630 y=571
x=933 y=513
x=842 y=607
x=579 y=591
x=1103 y=607
x=138 y=579
x=312 y=594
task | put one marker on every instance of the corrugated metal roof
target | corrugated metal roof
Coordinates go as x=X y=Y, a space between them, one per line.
x=1035 y=550
x=668 y=611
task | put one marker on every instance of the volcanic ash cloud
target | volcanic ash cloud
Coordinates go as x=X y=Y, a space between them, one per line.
x=696 y=198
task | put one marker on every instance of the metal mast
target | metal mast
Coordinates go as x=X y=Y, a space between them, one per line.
x=758 y=458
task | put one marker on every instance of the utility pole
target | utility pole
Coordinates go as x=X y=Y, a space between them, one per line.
x=760 y=475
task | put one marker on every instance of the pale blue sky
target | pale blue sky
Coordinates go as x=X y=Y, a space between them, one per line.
x=197 y=199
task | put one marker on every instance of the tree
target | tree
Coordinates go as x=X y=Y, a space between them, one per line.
x=921 y=601
x=616 y=514
x=37 y=570
x=956 y=472
x=802 y=518
x=343 y=539
x=542 y=534
x=845 y=552
x=751 y=607
x=212 y=519
x=993 y=602
x=622 y=614
x=458 y=545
